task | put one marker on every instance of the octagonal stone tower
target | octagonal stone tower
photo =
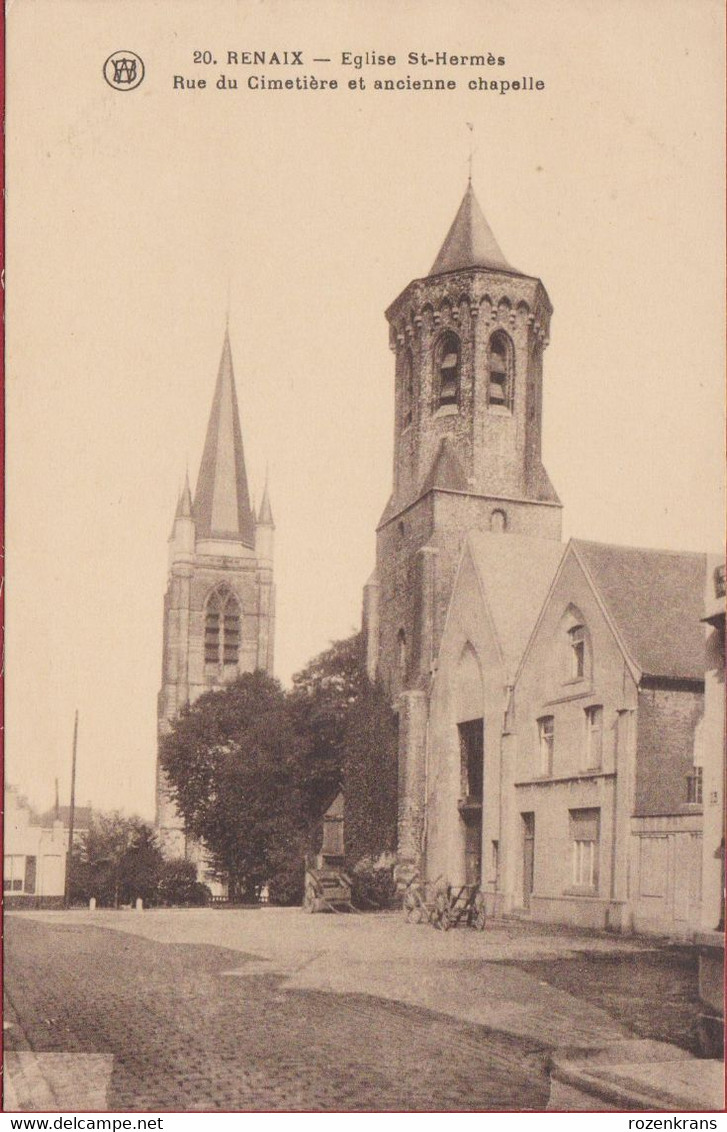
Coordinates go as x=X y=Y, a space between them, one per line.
x=468 y=340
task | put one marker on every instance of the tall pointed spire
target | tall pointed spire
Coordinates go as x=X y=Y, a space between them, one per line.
x=470 y=241
x=221 y=502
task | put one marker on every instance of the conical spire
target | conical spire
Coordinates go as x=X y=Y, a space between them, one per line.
x=469 y=242
x=265 y=517
x=222 y=503
x=184 y=507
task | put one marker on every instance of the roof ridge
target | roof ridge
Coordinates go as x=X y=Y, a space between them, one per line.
x=640 y=549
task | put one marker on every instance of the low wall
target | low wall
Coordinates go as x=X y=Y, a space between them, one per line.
x=14 y=902
x=578 y=911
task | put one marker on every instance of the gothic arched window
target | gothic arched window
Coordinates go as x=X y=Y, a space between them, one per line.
x=407 y=390
x=222 y=630
x=447 y=360
x=500 y=390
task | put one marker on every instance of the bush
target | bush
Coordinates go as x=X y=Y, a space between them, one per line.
x=373 y=885
x=178 y=884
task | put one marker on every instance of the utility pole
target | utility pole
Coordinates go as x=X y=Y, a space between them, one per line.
x=72 y=814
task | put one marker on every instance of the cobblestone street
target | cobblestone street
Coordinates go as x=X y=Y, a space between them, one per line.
x=275 y=1010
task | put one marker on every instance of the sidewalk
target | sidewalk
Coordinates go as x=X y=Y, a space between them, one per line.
x=637 y=1076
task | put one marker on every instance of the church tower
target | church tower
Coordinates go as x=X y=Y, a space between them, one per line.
x=219 y=608
x=468 y=341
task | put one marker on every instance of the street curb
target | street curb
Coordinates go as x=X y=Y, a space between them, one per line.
x=629 y=1099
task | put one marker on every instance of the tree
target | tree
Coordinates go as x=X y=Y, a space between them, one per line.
x=230 y=760
x=351 y=744
x=117 y=861
x=370 y=776
x=322 y=697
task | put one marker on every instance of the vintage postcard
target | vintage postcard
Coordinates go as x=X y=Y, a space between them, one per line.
x=365 y=557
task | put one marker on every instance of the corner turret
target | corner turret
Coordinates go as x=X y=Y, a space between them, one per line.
x=181 y=540
x=265 y=530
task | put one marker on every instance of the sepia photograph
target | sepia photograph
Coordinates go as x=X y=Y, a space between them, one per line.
x=365 y=565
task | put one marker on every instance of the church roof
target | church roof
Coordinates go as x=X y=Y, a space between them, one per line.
x=470 y=241
x=446 y=470
x=222 y=502
x=516 y=572
x=655 y=600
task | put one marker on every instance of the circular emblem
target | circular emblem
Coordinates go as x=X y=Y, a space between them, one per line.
x=124 y=70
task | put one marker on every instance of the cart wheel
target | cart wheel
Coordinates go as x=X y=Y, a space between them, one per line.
x=411 y=908
x=440 y=916
x=309 y=899
x=479 y=913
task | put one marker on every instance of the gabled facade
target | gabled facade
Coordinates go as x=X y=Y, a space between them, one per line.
x=565 y=734
x=500 y=586
x=219 y=608
x=34 y=861
x=605 y=826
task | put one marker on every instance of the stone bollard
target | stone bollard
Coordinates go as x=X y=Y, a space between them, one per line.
x=139 y=904
x=92 y=904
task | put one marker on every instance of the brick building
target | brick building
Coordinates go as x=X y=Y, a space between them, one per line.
x=219 y=608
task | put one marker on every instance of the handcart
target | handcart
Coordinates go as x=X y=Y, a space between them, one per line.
x=455 y=905
x=419 y=899
x=327 y=890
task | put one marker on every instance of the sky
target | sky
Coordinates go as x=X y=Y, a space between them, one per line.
x=137 y=219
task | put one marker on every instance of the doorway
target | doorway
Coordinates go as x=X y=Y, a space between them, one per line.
x=528 y=858
x=472 y=757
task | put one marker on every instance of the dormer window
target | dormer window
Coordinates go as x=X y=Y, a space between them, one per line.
x=500 y=359
x=577 y=642
x=448 y=369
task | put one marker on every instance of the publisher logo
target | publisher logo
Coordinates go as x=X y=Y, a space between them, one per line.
x=124 y=70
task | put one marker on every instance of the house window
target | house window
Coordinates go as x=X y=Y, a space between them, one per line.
x=499 y=391
x=577 y=642
x=694 y=785
x=407 y=387
x=594 y=736
x=14 y=873
x=472 y=756
x=222 y=630
x=584 y=832
x=498 y=520
x=448 y=369
x=546 y=735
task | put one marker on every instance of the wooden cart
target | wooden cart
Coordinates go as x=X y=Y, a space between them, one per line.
x=419 y=899
x=327 y=889
x=456 y=905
